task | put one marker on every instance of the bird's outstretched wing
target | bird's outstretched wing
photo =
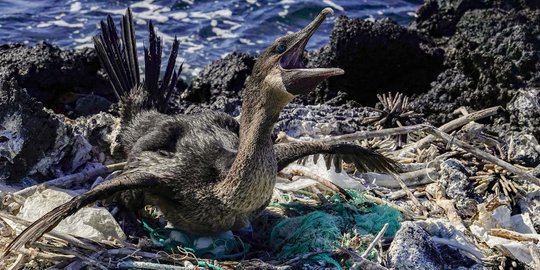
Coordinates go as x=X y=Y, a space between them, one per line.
x=333 y=153
x=126 y=181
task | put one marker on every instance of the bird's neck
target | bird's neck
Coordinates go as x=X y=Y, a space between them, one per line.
x=251 y=178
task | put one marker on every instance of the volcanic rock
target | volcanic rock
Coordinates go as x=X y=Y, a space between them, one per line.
x=413 y=248
x=56 y=77
x=491 y=54
x=224 y=77
x=377 y=57
x=35 y=142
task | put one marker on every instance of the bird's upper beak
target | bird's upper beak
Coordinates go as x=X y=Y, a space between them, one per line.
x=296 y=78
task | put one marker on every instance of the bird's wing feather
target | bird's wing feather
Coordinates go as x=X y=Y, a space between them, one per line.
x=364 y=159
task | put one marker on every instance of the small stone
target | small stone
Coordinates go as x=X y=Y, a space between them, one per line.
x=455 y=180
x=521 y=150
x=413 y=248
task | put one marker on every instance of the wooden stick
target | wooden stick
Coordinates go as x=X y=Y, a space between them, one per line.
x=149 y=265
x=454 y=124
x=483 y=155
x=361 y=135
x=406 y=212
x=375 y=241
x=362 y=262
x=307 y=255
x=73 y=179
x=411 y=196
x=414 y=178
x=511 y=235
x=324 y=182
x=45 y=256
x=18 y=264
x=63 y=236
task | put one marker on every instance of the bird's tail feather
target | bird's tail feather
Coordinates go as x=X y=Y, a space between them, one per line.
x=119 y=58
x=50 y=220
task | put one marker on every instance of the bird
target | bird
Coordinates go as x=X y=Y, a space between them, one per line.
x=207 y=173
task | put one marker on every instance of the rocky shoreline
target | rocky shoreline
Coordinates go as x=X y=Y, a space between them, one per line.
x=57 y=109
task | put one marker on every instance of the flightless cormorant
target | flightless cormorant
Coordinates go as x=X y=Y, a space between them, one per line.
x=206 y=172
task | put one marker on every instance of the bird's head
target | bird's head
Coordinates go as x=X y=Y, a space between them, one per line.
x=281 y=66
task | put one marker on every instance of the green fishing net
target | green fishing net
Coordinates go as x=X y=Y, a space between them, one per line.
x=323 y=227
x=310 y=228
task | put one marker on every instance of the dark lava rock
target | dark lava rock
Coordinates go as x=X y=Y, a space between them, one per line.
x=439 y=18
x=454 y=177
x=35 y=142
x=522 y=149
x=56 y=77
x=524 y=109
x=491 y=54
x=413 y=249
x=224 y=77
x=377 y=57
x=321 y=120
x=453 y=258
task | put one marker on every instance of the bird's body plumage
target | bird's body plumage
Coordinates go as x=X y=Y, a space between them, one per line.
x=192 y=155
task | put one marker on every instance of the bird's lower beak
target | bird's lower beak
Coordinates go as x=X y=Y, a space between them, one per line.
x=298 y=79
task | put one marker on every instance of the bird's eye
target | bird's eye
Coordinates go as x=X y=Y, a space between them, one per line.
x=281 y=48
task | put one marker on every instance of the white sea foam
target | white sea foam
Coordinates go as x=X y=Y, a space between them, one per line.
x=83 y=39
x=60 y=23
x=75 y=7
x=234 y=26
x=222 y=33
x=284 y=12
x=212 y=14
x=247 y=41
x=178 y=15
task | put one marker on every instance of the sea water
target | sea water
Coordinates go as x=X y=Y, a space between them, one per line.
x=207 y=30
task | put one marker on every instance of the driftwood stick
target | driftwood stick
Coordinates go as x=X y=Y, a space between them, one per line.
x=73 y=179
x=406 y=212
x=66 y=251
x=454 y=124
x=414 y=178
x=411 y=195
x=45 y=256
x=361 y=262
x=483 y=155
x=149 y=265
x=375 y=241
x=307 y=255
x=66 y=237
x=512 y=235
x=18 y=264
x=325 y=182
x=362 y=135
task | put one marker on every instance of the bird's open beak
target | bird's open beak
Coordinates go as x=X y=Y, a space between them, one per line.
x=298 y=79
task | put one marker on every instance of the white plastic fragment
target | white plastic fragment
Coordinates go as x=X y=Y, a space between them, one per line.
x=500 y=218
x=94 y=223
x=340 y=179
